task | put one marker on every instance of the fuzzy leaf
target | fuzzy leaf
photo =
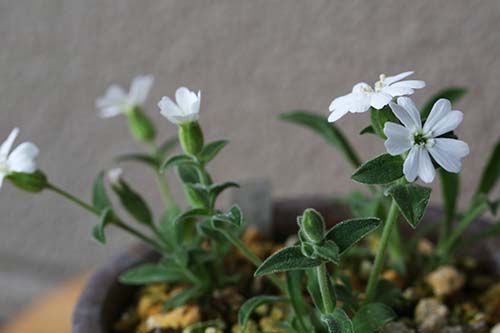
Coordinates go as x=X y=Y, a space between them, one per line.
x=177 y=160
x=211 y=150
x=380 y=117
x=188 y=173
x=217 y=189
x=287 y=259
x=372 y=317
x=315 y=292
x=133 y=203
x=98 y=230
x=250 y=305
x=197 y=195
x=100 y=199
x=491 y=172
x=234 y=216
x=151 y=273
x=319 y=124
x=192 y=213
x=452 y=94
x=328 y=251
x=382 y=169
x=338 y=322
x=367 y=130
x=347 y=233
x=138 y=157
x=412 y=201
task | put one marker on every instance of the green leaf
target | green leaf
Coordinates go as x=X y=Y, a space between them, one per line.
x=197 y=195
x=138 y=157
x=140 y=125
x=491 y=172
x=319 y=124
x=453 y=94
x=151 y=273
x=287 y=259
x=382 y=169
x=168 y=227
x=412 y=201
x=175 y=160
x=100 y=199
x=167 y=146
x=211 y=150
x=183 y=297
x=105 y=219
x=347 y=233
x=188 y=173
x=380 y=117
x=328 y=251
x=133 y=203
x=217 y=189
x=338 y=322
x=250 y=305
x=372 y=317
x=192 y=213
x=450 y=187
x=30 y=182
x=201 y=327
x=294 y=291
x=367 y=130
x=233 y=216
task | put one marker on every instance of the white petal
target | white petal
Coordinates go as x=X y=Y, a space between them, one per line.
x=442 y=119
x=397 y=91
x=195 y=107
x=114 y=96
x=361 y=87
x=2 y=176
x=109 y=112
x=22 y=159
x=426 y=170
x=413 y=84
x=360 y=103
x=391 y=79
x=410 y=166
x=185 y=99
x=403 y=116
x=398 y=138
x=448 y=153
x=139 y=89
x=408 y=104
x=379 y=100
x=168 y=107
x=7 y=144
x=336 y=114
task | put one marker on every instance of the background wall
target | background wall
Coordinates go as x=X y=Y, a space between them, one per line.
x=252 y=60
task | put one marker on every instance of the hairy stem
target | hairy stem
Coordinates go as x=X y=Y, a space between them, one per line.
x=323 y=288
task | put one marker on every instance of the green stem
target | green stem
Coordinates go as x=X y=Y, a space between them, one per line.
x=117 y=222
x=168 y=199
x=469 y=217
x=324 y=289
x=379 y=258
x=252 y=258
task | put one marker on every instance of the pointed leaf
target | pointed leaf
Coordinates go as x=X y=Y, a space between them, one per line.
x=100 y=199
x=133 y=203
x=151 y=273
x=372 y=317
x=211 y=150
x=233 y=216
x=338 y=322
x=138 y=157
x=380 y=117
x=105 y=219
x=250 y=305
x=328 y=251
x=188 y=173
x=382 y=169
x=287 y=259
x=412 y=201
x=453 y=94
x=177 y=160
x=450 y=187
x=347 y=233
x=192 y=213
x=319 y=124
x=183 y=297
x=197 y=195
x=367 y=130
x=491 y=172
x=217 y=189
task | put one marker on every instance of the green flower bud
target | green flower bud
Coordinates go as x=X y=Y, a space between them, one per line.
x=140 y=125
x=191 y=137
x=30 y=182
x=313 y=226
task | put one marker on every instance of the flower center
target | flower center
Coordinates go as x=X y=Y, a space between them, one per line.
x=420 y=139
x=4 y=168
x=380 y=84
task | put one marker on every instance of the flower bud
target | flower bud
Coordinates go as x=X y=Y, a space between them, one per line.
x=140 y=125
x=191 y=137
x=312 y=226
x=30 y=182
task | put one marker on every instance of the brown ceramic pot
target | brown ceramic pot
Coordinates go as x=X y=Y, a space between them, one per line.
x=104 y=298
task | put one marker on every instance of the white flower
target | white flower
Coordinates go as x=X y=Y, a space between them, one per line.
x=185 y=110
x=421 y=141
x=116 y=100
x=115 y=175
x=22 y=158
x=363 y=96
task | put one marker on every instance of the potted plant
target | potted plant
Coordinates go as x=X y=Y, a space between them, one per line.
x=206 y=272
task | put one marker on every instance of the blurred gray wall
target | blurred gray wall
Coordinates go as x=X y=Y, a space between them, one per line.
x=252 y=60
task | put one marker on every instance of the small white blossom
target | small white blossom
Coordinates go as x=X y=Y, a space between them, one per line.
x=363 y=96
x=424 y=140
x=115 y=175
x=21 y=159
x=116 y=101
x=186 y=108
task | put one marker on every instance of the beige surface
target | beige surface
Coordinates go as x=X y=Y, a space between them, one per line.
x=251 y=59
